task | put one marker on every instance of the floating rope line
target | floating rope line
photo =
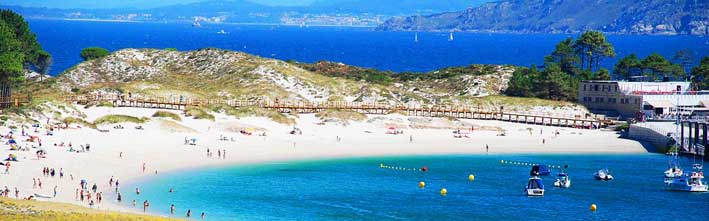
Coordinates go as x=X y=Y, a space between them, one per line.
x=520 y=163
x=392 y=167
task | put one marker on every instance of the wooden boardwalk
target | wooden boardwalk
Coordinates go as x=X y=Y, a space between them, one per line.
x=6 y=102
x=462 y=112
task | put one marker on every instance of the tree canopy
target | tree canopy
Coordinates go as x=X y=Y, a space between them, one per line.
x=92 y=53
x=19 y=49
x=700 y=74
x=571 y=62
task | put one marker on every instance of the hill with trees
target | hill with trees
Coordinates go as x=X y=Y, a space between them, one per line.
x=562 y=16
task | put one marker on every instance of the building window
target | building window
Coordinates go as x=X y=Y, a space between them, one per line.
x=595 y=87
x=584 y=87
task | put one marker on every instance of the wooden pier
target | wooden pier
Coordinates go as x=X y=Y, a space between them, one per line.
x=462 y=112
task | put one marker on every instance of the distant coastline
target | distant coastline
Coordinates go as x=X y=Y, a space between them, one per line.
x=189 y=22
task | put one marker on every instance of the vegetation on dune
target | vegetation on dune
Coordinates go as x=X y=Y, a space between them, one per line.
x=343 y=115
x=74 y=120
x=275 y=116
x=118 y=118
x=31 y=210
x=167 y=114
x=198 y=113
x=92 y=53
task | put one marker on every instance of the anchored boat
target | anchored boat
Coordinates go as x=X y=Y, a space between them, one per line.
x=603 y=174
x=690 y=183
x=534 y=187
x=563 y=179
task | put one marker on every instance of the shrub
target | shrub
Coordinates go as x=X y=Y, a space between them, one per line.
x=198 y=113
x=117 y=118
x=167 y=114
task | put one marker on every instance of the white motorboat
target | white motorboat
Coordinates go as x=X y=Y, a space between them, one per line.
x=562 y=181
x=672 y=172
x=534 y=187
x=689 y=183
x=603 y=174
x=222 y=32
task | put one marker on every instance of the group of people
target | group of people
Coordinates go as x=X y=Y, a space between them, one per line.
x=221 y=153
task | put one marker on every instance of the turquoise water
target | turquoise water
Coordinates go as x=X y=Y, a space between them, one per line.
x=358 y=189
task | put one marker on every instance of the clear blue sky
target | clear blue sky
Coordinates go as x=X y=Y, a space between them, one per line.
x=128 y=3
x=92 y=4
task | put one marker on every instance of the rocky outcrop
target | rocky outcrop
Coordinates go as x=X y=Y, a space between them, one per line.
x=690 y=17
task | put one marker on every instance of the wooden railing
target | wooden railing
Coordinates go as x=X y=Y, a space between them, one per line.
x=456 y=111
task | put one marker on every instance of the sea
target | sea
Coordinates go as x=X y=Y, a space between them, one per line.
x=361 y=189
x=395 y=51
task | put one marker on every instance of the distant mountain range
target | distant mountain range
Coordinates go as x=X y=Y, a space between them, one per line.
x=336 y=12
x=567 y=16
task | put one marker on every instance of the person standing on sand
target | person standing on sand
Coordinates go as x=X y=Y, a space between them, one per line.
x=76 y=195
x=487 y=148
x=224 y=154
x=219 y=153
x=544 y=141
x=119 y=198
x=55 y=191
x=411 y=138
x=34 y=183
x=39 y=182
x=143 y=167
x=17 y=193
x=120 y=155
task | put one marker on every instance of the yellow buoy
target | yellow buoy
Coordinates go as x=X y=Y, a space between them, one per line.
x=422 y=184
x=471 y=177
x=444 y=191
x=593 y=207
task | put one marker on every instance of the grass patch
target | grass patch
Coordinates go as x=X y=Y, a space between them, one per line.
x=199 y=113
x=74 y=120
x=117 y=118
x=343 y=115
x=167 y=114
x=275 y=116
x=31 y=210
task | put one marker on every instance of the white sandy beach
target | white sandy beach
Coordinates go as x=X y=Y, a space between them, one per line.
x=161 y=146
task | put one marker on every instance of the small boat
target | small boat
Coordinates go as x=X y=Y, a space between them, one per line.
x=562 y=180
x=690 y=183
x=603 y=174
x=450 y=37
x=196 y=24
x=673 y=171
x=544 y=170
x=222 y=32
x=534 y=187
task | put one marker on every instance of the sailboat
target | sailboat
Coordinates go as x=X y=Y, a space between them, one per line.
x=416 y=37
x=673 y=170
x=450 y=37
x=196 y=24
x=692 y=182
x=534 y=187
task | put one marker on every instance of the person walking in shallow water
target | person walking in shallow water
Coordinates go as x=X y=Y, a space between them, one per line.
x=172 y=209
